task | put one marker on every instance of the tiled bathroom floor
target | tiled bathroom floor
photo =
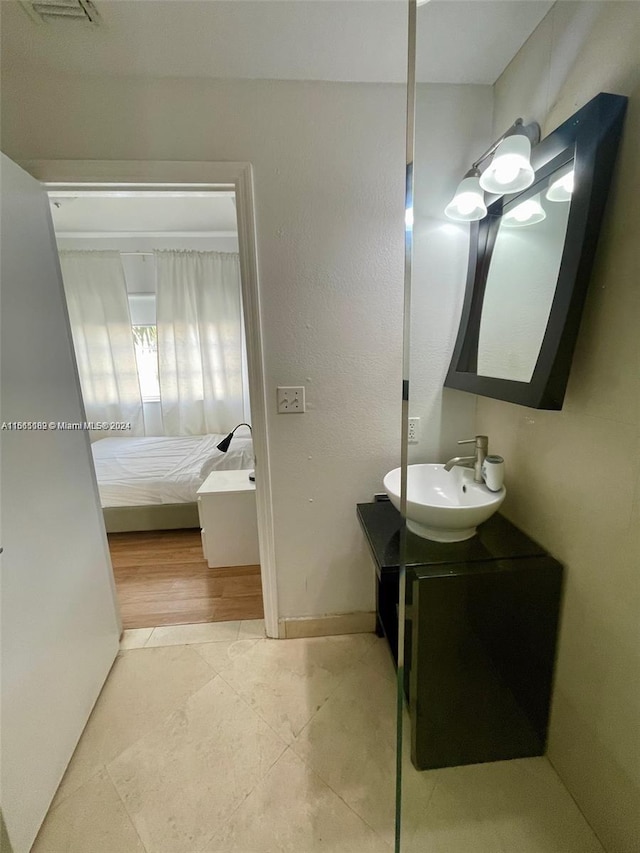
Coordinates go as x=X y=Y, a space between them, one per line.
x=212 y=739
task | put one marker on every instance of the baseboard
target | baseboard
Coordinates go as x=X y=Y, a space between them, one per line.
x=325 y=626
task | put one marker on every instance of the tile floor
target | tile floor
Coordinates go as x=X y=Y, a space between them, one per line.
x=213 y=739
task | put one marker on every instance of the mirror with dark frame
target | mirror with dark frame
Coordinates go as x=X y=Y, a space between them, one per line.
x=530 y=261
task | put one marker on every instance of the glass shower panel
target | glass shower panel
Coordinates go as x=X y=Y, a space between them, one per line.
x=478 y=619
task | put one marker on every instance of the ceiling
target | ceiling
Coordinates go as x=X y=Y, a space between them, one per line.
x=459 y=41
x=134 y=215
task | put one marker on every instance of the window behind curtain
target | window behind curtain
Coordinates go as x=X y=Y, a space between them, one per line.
x=142 y=307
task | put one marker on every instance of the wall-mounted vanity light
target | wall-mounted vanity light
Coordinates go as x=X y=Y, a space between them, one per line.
x=509 y=171
x=468 y=205
x=526 y=286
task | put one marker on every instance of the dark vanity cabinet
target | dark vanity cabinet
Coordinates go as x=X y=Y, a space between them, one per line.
x=480 y=637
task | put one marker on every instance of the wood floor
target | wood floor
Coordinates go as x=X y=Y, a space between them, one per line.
x=163 y=579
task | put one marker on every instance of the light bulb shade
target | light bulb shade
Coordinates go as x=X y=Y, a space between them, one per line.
x=526 y=213
x=510 y=170
x=224 y=444
x=562 y=188
x=467 y=205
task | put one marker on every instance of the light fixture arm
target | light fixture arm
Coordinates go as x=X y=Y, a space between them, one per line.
x=531 y=131
x=473 y=172
x=241 y=425
x=223 y=446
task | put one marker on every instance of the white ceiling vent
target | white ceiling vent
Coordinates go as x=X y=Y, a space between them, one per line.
x=61 y=10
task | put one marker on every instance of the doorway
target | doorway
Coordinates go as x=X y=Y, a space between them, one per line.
x=191 y=184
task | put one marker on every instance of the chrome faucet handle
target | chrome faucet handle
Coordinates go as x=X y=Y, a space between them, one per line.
x=481 y=441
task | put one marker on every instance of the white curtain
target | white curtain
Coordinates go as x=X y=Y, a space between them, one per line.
x=200 y=347
x=96 y=293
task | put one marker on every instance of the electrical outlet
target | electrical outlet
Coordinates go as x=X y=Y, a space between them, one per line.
x=290 y=399
x=414 y=430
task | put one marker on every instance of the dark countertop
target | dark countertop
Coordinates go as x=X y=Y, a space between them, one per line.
x=496 y=539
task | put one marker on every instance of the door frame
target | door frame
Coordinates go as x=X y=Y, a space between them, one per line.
x=168 y=175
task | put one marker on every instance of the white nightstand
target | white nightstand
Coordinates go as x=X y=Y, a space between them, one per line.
x=227 y=510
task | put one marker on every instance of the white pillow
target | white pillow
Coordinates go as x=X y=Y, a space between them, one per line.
x=239 y=457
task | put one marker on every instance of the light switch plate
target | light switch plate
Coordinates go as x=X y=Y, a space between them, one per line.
x=290 y=399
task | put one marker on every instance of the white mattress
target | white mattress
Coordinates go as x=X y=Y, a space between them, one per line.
x=162 y=470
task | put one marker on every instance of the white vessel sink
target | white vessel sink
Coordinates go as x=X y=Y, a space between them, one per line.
x=445 y=506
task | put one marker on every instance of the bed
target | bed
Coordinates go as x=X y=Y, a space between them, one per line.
x=150 y=483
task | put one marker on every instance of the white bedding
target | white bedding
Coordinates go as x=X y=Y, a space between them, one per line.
x=162 y=470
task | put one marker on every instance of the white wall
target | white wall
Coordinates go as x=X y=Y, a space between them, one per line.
x=453 y=126
x=329 y=187
x=573 y=477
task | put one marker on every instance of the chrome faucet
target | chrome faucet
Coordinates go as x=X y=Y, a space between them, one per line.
x=482 y=448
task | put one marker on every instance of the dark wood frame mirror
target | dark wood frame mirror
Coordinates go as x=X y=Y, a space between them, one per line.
x=590 y=138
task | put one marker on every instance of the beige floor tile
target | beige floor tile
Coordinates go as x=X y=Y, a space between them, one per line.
x=287 y=681
x=202 y=632
x=251 y=629
x=358 y=643
x=378 y=656
x=293 y=811
x=351 y=742
x=143 y=688
x=135 y=638
x=505 y=806
x=91 y=820
x=182 y=781
x=191 y=768
x=441 y=823
x=221 y=655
